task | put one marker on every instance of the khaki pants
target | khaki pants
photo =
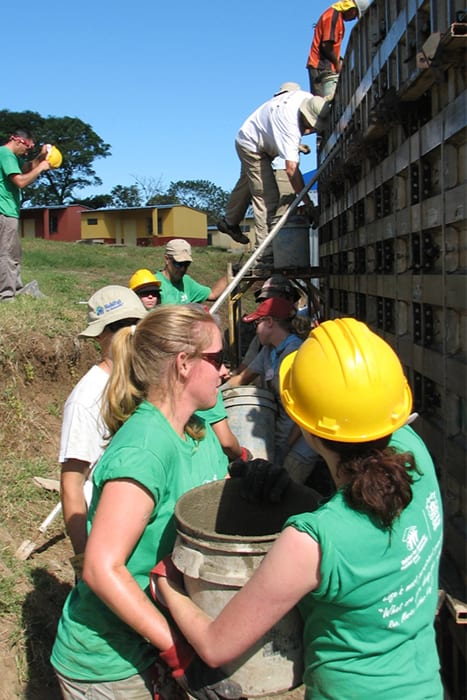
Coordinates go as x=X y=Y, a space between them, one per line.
x=258 y=184
x=138 y=687
x=10 y=257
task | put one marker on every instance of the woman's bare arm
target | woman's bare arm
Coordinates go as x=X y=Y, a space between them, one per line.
x=121 y=517
x=288 y=572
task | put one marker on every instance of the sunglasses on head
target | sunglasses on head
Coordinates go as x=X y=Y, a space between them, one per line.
x=216 y=359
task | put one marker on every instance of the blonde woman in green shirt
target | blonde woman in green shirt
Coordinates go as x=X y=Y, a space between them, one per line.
x=110 y=633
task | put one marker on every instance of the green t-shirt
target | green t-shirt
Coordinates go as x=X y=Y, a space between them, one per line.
x=368 y=627
x=10 y=194
x=186 y=291
x=93 y=644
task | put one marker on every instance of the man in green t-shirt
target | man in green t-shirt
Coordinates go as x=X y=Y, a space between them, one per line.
x=179 y=288
x=15 y=175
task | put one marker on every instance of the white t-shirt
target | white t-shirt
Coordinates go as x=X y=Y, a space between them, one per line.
x=274 y=127
x=83 y=429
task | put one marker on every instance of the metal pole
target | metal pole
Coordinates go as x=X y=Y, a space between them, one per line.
x=242 y=272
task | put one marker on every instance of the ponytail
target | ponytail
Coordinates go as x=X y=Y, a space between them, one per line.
x=377 y=479
x=122 y=394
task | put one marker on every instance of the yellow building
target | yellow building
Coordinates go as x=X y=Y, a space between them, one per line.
x=221 y=240
x=147 y=226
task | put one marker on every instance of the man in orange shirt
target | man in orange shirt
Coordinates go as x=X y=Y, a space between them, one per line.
x=324 y=59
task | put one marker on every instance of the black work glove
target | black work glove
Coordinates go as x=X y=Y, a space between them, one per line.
x=196 y=678
x=263 y=482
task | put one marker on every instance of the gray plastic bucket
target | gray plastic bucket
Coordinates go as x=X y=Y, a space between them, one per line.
x=221 y=541
x=291 y=245
x=252 y=416
x=329 y=84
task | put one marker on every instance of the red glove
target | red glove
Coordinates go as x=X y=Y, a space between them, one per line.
x=178 y=657
x=195 y=677
x=167 y=569
x=245 y=455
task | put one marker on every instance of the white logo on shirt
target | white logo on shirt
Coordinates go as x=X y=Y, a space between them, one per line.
x=410 y=537
x=433 y=510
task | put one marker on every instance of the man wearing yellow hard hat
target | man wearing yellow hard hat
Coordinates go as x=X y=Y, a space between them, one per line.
x=324 y=58
x=15 y=174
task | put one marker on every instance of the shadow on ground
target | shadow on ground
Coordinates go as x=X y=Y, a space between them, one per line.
x=41 y=611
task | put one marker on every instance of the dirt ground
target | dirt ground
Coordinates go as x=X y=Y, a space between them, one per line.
x=34 y=383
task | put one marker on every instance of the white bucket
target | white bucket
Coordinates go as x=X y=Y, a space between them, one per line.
x=329 y=84
x=252 y=416
x=221 y=541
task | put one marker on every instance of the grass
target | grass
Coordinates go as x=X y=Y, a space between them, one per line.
x=40 y=361
x=69 y=273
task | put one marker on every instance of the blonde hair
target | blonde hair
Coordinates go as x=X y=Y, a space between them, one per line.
x=145 y=357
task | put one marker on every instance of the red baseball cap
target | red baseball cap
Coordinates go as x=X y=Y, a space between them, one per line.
x=281 y=309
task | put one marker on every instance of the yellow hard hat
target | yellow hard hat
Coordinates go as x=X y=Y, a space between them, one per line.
x=54 y=157
x=143 y=278
x=345 y=383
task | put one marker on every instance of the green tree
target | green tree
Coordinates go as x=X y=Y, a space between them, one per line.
x=125 y=196
x=162 y=198
x=199 y=194
x=98 y=201
x=77 y=141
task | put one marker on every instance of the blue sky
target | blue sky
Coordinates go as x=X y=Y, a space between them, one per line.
x=166 y=85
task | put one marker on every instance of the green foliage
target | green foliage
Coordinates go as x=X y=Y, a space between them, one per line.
x=120 y=196
x=200 y=194
x=162 y=198
x=98 y=201
x=79 y=145
x=126 y=196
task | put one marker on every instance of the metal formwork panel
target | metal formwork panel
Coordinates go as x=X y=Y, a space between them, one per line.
x=393 y=199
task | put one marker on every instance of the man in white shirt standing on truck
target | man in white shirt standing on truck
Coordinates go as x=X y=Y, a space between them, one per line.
x=274 y=129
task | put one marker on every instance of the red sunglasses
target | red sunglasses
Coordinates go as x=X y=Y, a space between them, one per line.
x=216 y=359
x=28 y=144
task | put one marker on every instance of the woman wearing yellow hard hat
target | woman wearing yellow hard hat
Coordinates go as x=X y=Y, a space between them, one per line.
x=363 y=567
x=146 y=285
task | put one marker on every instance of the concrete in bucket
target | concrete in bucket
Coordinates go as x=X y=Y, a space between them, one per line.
x=221 y=541
x=252 y=416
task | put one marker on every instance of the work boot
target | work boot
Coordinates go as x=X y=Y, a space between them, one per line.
x=234 y=231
